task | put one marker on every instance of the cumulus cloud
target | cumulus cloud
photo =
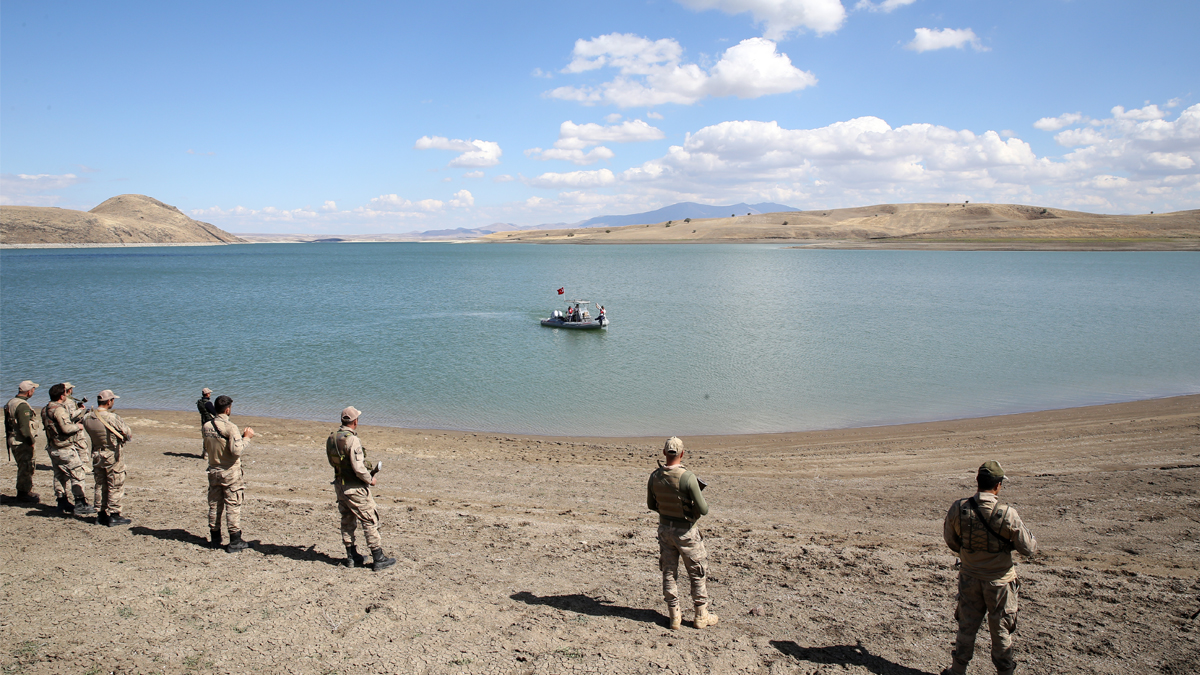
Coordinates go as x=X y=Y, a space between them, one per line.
x=574 y=138
x=613 y=118
x=654 y=116
x=267 y=214
x=1131 y=161
x=480 y=154
x=503 y=178
x=653 y=73
x=1056 y=123
x=573 y=179
x=930 y=39
x=329 y=206
x=394 y=202
x=885 y=6
x=781 y=17
x=473 y=174
x=462 y=199
x=29 y=189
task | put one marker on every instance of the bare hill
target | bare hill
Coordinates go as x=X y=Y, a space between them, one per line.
x=124 y=219
x=1007 y=226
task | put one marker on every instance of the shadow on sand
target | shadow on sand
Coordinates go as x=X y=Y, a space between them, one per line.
x=578 y=602
x=291 y=552
x=845 y=655
x=189 y=455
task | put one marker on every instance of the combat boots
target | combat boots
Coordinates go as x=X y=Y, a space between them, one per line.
x=381 y=561
x=235 y=543
x=703 y=618
x=102 y=519
x=117 y=520
x=82 y=508
x=27 y=498
x=353 y=558
x=676 y=616
x=65 y=506
x=214 y=538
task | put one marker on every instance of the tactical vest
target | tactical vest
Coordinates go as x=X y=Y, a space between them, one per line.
x=54 y=436
x=11 y=425
x=974 y=532
x=343 y=470
x=672 y=503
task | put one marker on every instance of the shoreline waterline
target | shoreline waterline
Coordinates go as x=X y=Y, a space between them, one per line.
x=1137 y=406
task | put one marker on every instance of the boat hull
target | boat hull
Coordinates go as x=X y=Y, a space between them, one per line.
x=574 y=325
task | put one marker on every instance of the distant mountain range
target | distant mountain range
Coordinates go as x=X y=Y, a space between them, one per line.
x=673 y=212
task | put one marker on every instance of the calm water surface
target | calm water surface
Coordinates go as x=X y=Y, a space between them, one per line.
x=704 y=338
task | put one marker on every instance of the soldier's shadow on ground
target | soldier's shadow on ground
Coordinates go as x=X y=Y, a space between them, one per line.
x=578 y=602
x=845 y=655
x=189 y=455
x=39 y=510
x=291 y=552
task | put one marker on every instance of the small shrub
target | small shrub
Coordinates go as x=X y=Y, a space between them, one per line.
x=607 y=231
x=687 y=220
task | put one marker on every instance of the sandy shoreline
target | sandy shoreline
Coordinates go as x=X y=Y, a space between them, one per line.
x=533 y=554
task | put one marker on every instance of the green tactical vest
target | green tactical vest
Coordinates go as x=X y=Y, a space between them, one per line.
x=975 y=534
x=671 y=501
x=343 y=471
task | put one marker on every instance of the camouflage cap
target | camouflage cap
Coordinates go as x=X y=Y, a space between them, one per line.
x=67 y=386
x=992 y=468
x=673 y=446
x=27 y=385
x=350 y=414
x=106 y=395
x=206 y=391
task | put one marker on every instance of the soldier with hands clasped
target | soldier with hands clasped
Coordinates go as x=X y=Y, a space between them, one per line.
x=109 y=434
x=984 y=533
x=675 y=493
x=352 y=481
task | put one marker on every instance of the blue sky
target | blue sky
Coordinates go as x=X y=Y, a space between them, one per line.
x=362 y=117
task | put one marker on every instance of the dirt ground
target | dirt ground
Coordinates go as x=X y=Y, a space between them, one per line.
x=537 y=555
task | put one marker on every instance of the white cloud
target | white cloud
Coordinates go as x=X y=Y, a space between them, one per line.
x=329 y=206
x=27 y=189
x=929 y=39
x=462 y=199
x=654 y=116
x=474 y=153
x=473 y=174
x=503 y=178
x=538 y=72
x=1142 y=161
x=885 y=6
x=574 y=138
x=781 y=17
x=1056 y=123
x=613 y=118
x=652 y=73
x=573 y=179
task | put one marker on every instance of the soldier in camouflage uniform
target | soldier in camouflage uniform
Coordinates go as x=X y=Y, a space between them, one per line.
x=352 y=481
x=984 y=533
x=675 y=493
x=67 y=443
x=109 y=434
x=21 y=431
x=226 y=487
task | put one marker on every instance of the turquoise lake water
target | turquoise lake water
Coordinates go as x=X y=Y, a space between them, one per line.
x=704 y=338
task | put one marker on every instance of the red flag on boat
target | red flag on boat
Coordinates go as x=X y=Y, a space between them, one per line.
x=560 y=291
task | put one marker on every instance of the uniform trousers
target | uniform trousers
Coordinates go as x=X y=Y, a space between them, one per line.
x=23 y=456
x=998 y=601
x=685 y=541
x=226 y=493
x=357 y=506
x=69 y=471
x=109 y=471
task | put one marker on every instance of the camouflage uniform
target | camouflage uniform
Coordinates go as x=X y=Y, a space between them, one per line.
x=674 y=493
x=22 y=428
x=352 y=483
x=109 y=434
x=987 y=578
x=67 y=444
x=226 y=489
